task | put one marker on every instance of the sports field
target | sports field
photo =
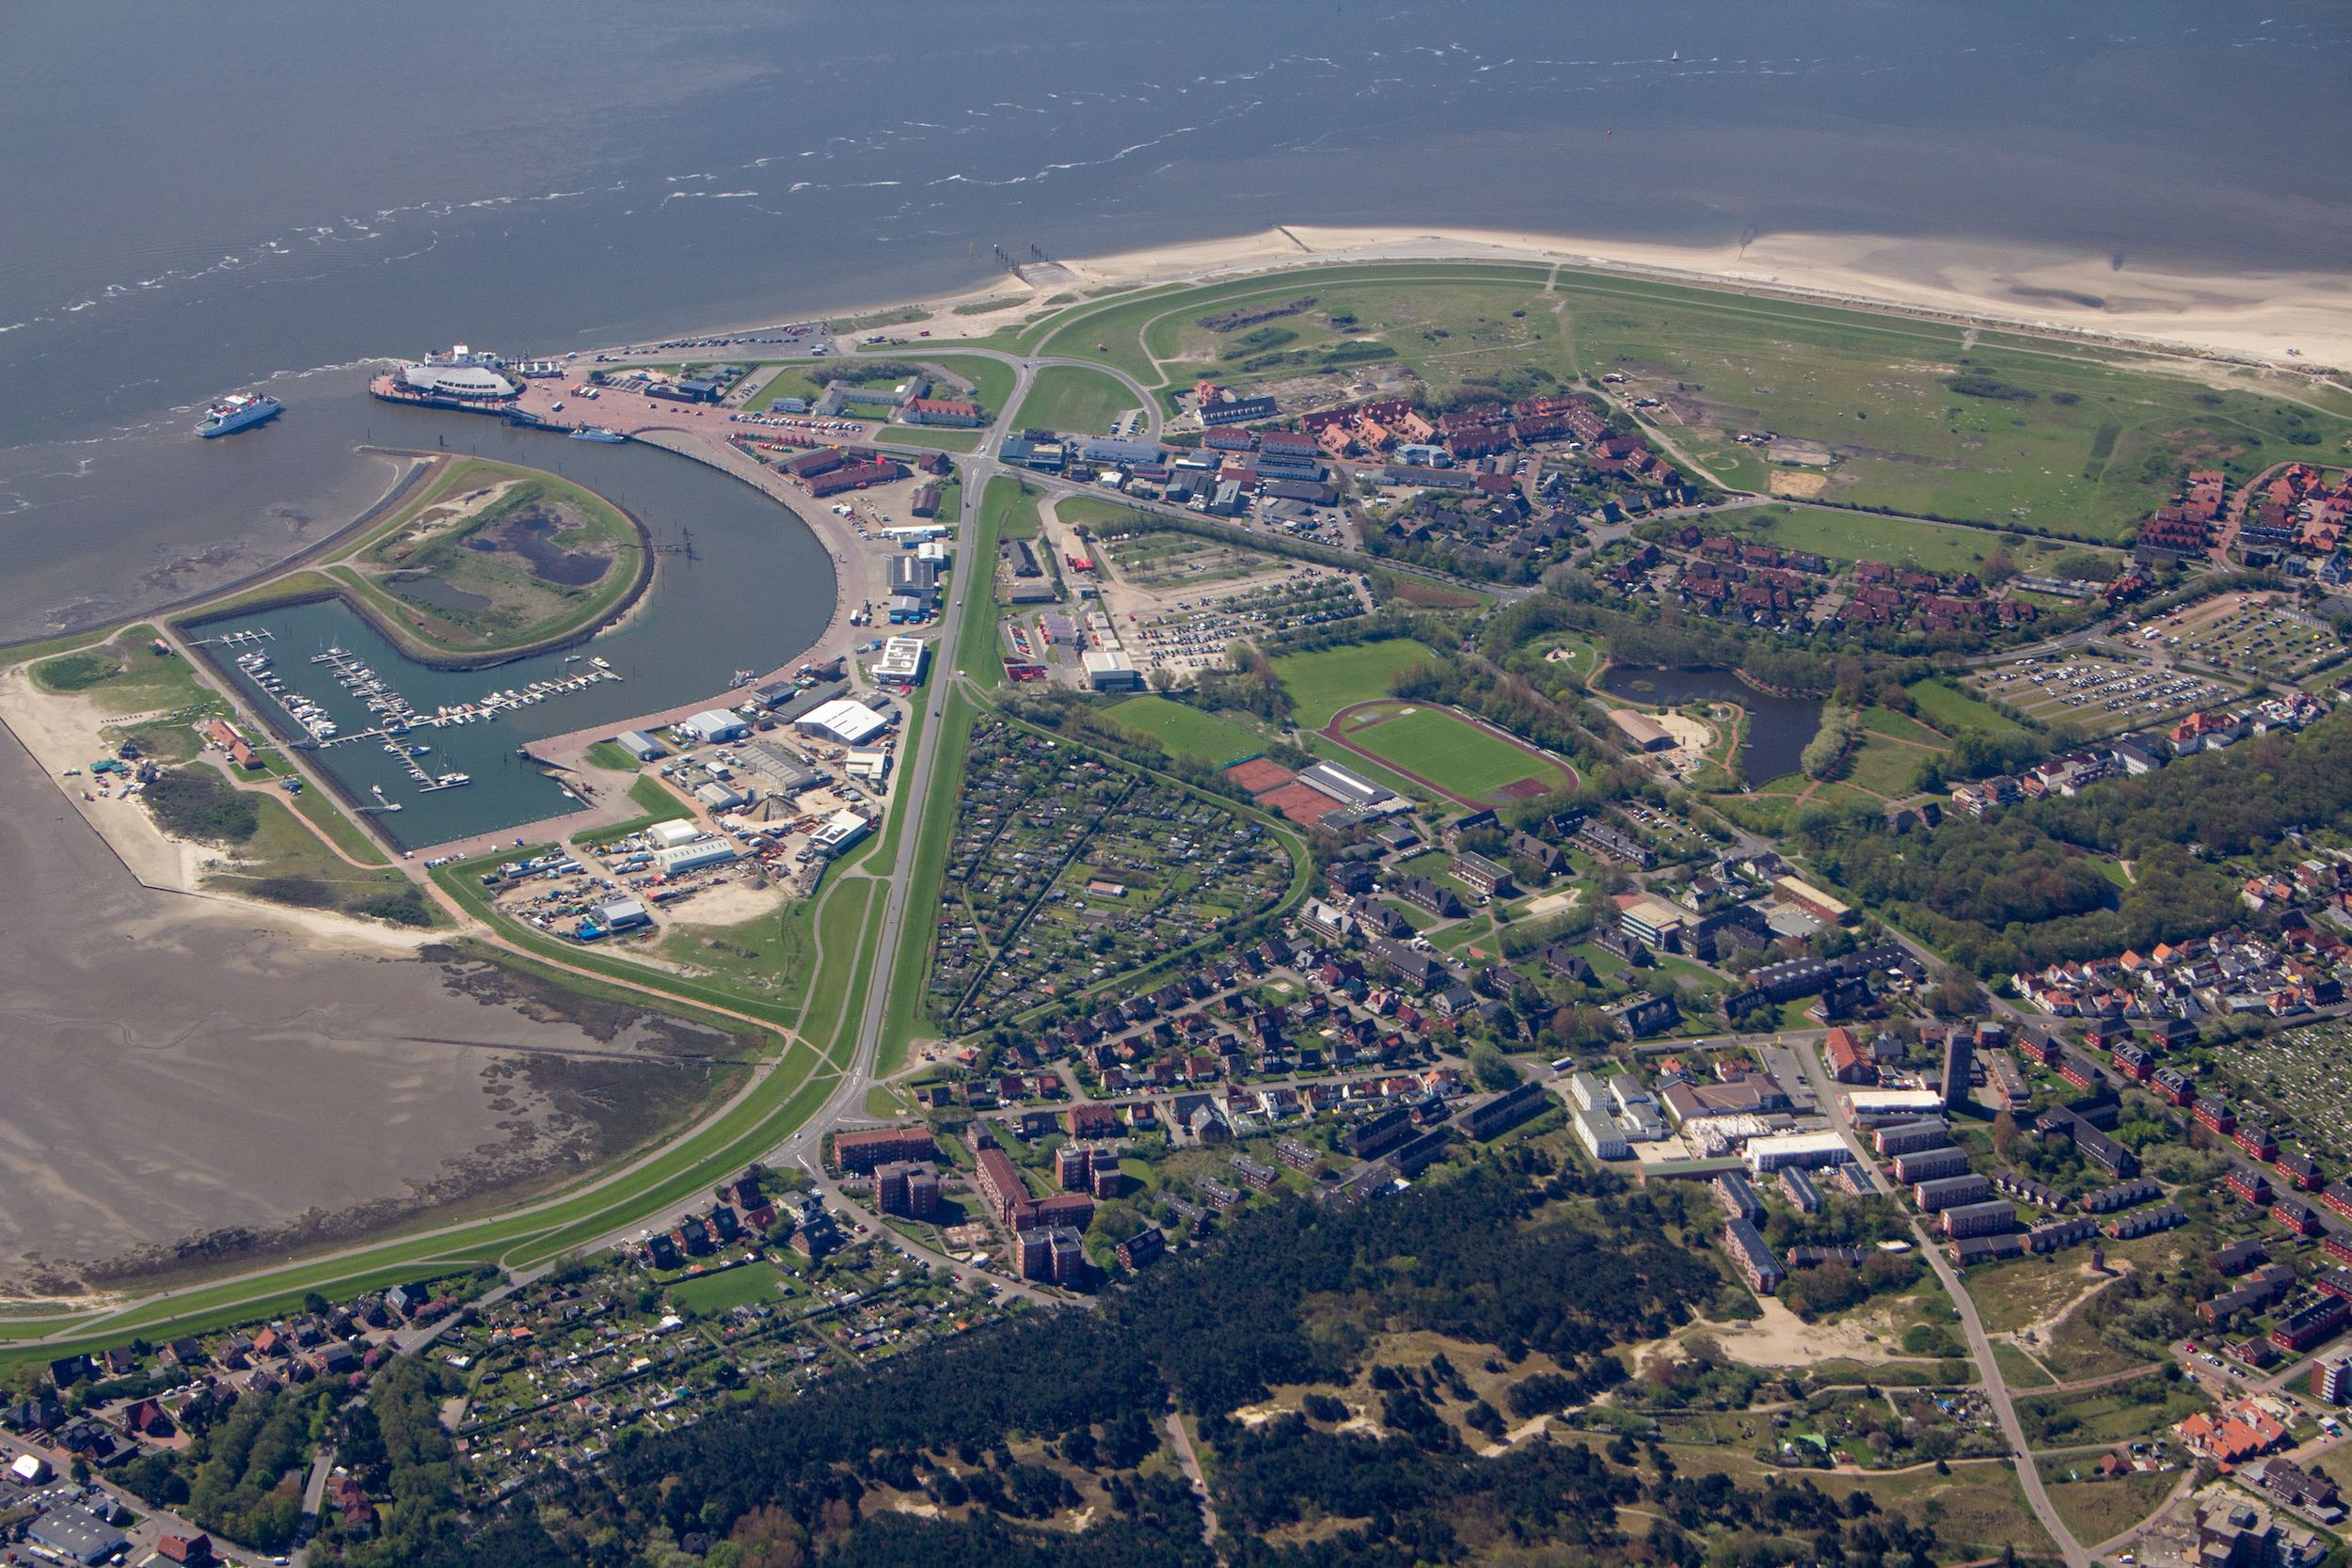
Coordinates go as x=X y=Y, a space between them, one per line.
x=1451 y=753
x=1321 y=684
x=1186 y=731
x=1070 y=398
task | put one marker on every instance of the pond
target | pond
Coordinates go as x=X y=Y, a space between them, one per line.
x=1778 y=727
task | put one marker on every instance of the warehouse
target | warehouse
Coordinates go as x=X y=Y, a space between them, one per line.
x=637 y=743
x=1103 y=449
x=1108 y=669
x=843 y=722
x=620 y=914
x=695 y=857
x=669 y=835
x=786 y=771
x=712 y=725
x=75 y=1535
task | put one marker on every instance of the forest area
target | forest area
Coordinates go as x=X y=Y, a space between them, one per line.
x=981 y=1448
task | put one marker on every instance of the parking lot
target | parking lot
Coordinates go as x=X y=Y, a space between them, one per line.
x=2099 y=693
x=2253 y=633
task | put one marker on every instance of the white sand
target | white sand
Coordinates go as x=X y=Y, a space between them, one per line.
x=2256 y=317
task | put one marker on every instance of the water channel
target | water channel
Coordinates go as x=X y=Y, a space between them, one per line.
x=756 y=589
x=1778 y=727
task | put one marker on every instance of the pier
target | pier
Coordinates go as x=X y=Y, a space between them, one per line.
x=396 y=718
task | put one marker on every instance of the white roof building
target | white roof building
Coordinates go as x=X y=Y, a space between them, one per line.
x=669 y=835
x=1804 y=1151
x=837 y=833
x=902 y=660
x=714 y=723
x=1863 y=1104
x=694 y=857
x=842 y=721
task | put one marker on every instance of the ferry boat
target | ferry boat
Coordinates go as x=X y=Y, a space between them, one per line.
x=598 y=433
x=238 y=411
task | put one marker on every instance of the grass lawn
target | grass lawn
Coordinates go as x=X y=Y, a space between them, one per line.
x=1187 y=730
x=767 y=954
x=910 y=972
x=793 y=381
x=1452 y=754
x=710 y=1294
x=1860 y=536
x=284 y=863
x=2040 y=437
x=1952 y=710
x=2100 y=1510
x=125 y=674
x=1885 y=766
x=1072 y=398
x=991 y=380
x=1322 y=683
x=2019 y=1369
x=938 y=437
x=2109 y=1415
x=1570 y=654
x=1900 y=726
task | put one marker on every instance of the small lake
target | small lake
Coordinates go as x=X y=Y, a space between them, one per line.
x=758 y=589
x=1778 y=727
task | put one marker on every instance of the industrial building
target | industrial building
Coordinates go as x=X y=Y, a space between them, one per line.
x=75 y=1535
x=901 y=661
x=1108 y=669
x=621 y=914
x=840 y=831
x=696 y=856
x=843 y=720
x=712 y=725
x=637 y=743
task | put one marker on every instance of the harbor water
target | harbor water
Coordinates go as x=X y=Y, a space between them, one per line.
x=756 y=589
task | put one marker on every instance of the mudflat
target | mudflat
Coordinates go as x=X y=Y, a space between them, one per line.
x=187 y=1081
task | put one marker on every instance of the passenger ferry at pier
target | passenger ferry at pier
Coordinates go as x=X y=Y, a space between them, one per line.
x=238 y=411
x=598 y=433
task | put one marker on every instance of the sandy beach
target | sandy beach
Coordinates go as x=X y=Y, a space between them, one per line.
x=2254 y=317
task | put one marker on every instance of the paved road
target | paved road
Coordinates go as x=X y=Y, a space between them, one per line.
x=1980 y=1345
